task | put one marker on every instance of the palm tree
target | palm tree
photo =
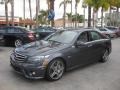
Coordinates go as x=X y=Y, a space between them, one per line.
x=89 y=16
x=37 y=12
x=6 y=13
x=69 y=16
x=96 y=4
x=84 y=6
x=117 y=5
x=111 y=3
x=71 y=11
x=104 y=7
x=12 y=11
x=65 y=2
x=30 y=9
x=76 y=7
x=42 y=17
x=5 y=2
x=52 y=8
x=24 y=11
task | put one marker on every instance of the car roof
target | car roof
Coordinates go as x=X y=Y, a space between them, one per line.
x=14 y=27
x=79 y=30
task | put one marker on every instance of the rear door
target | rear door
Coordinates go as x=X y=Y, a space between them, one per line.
x=14 y=33
x=97 y=43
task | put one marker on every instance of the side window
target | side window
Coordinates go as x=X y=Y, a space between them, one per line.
x=14 y=30
x=2 y=30
x=10 y=30
x=95 y=36
x=103 y=30
x=83 y=37
x=18 y=30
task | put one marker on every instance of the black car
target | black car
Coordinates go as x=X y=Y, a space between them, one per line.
x=16 y=35
x=60 y=52
x=44 y=32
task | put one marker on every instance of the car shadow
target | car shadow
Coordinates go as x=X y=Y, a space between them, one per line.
x=68 y=73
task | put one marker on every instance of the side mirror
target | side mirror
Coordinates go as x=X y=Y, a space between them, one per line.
x=80 y=43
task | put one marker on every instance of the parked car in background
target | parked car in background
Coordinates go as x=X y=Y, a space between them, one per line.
x=107 y=32
x=116 y=30
x=16 y=36
x=60 y=52
x=44 y=31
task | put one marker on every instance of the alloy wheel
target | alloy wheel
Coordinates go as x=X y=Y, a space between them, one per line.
x=56 y=70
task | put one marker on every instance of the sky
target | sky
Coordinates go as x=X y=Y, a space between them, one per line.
x=18 y=8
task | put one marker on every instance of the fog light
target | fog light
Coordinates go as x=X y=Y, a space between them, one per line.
x=33 y=73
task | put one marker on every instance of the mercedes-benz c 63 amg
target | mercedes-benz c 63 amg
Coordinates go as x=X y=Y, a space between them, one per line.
x=60 y=52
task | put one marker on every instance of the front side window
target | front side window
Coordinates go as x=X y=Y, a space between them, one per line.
x=83 y=37
x=95 y=36
x=10 y=30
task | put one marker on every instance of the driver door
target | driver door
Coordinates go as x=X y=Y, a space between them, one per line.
x=81 y=53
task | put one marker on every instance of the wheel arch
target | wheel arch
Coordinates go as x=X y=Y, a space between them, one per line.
x=60 y=58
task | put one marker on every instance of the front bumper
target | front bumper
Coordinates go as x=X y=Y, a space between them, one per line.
x=29 y=71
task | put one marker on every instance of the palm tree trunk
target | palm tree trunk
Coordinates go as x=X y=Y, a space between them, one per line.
x=6 y=13
x=93 y=18
x=102 y=17
x=30 y=9
x=75 y=14
x=84 y=17
x=110 y=13
x=24 y=11
x=37 y=11
x=89 y=16
x=64 y=14
x=12 y=11
x=117 y=24
x=71 y=12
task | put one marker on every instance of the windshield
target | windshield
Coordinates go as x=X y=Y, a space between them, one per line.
x=63 y=37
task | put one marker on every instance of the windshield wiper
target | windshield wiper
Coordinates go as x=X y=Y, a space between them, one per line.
x=54 y=41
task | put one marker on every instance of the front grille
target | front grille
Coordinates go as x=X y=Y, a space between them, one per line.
x=19 y=57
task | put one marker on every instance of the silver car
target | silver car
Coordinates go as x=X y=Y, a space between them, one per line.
x=107 y=32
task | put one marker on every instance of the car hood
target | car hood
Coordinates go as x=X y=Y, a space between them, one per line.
x=40 y=48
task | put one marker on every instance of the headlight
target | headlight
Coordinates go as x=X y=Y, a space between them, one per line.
x=39 y=60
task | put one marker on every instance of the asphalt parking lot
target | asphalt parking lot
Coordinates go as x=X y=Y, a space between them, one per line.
x=98 y=76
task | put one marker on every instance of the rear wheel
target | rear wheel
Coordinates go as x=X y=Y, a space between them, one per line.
x=18 y=42
x=55 y=70
x=105 y=56
x=108 y=35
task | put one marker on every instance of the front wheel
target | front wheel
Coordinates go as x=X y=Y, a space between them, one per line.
x=105 y=56
x=55 y=70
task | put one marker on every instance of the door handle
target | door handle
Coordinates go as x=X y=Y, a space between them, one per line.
x=90 y=45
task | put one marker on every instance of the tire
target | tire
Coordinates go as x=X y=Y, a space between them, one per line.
x=105 y=56
x=18 y=43
x=108 y=36
x=55 y=70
